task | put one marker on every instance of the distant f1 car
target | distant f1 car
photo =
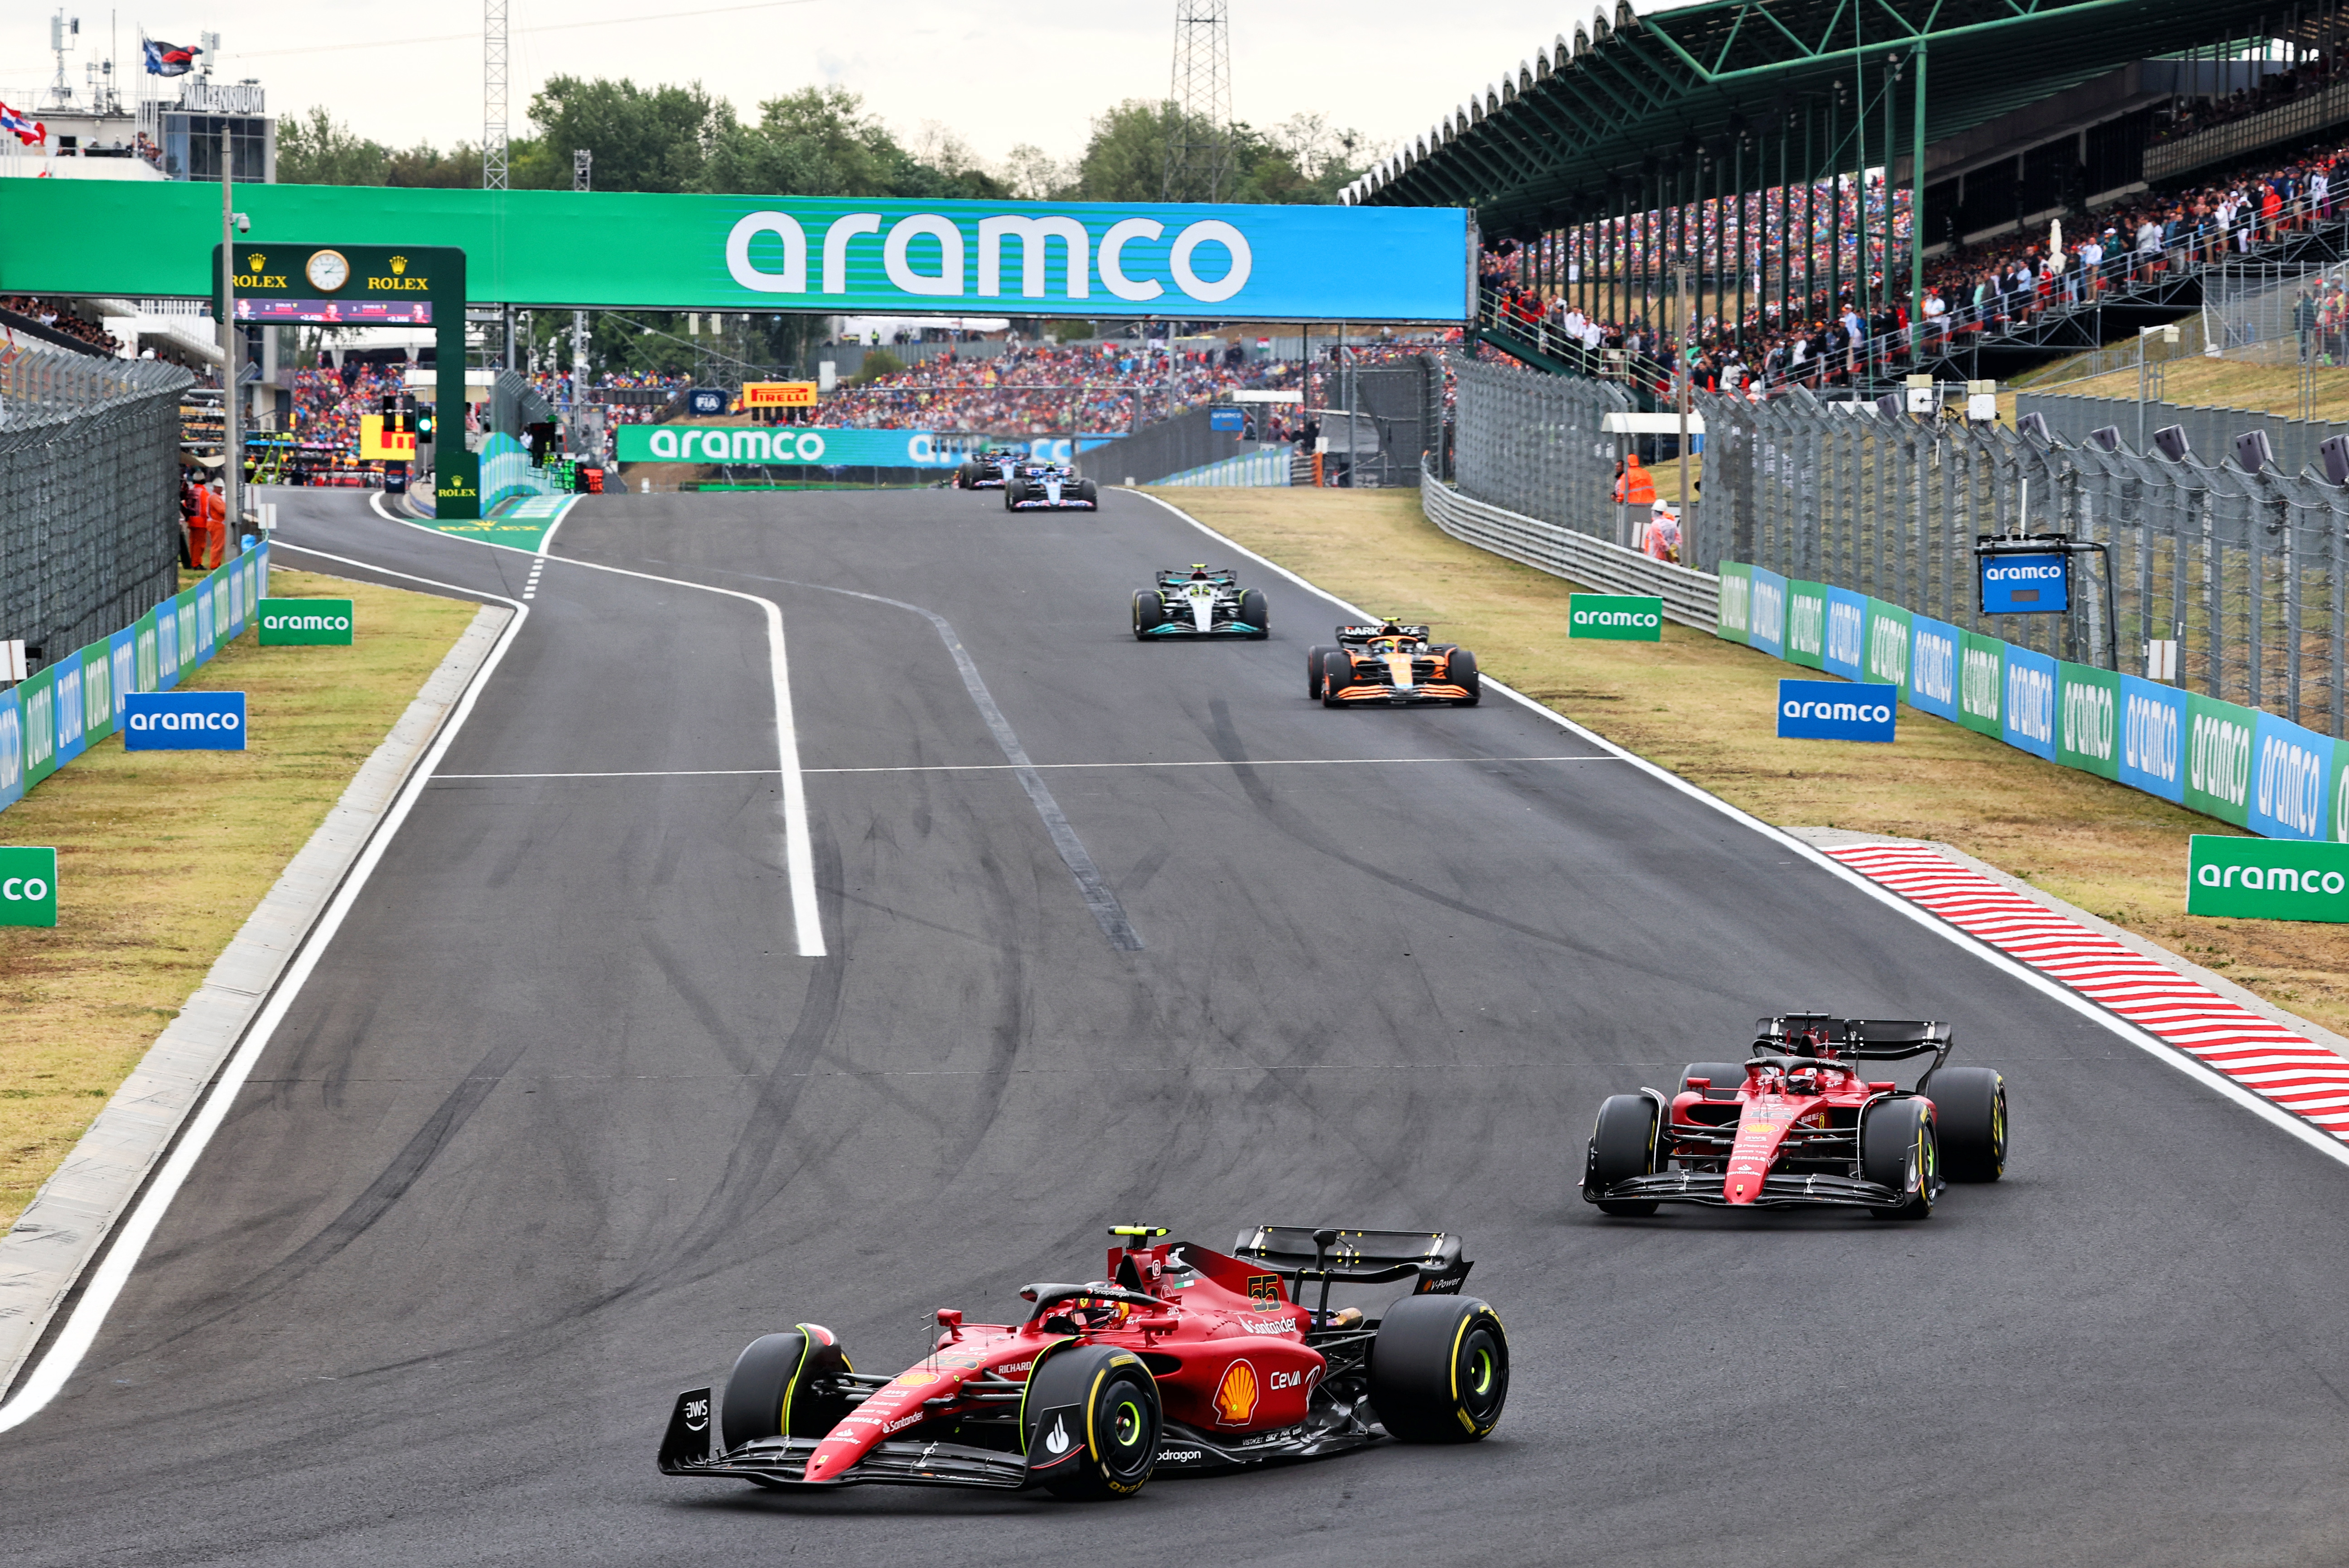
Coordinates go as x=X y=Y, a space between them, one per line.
x=1048 y=487
x=1200 y=603
x=988 y=470
x=1182 y=1359
x=1799 y=1124
x=1390 y=665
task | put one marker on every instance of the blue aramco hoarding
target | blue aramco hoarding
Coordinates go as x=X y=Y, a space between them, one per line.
x=1835 y=710
x=183 y=722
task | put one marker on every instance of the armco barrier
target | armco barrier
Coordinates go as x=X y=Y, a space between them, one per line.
x=2252 y=769
x=1691 y=597
x=79 y=698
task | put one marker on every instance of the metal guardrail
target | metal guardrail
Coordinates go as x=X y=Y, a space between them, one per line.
x=1691 y=597
x=89 y=485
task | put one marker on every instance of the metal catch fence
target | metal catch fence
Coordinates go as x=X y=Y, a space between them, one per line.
x=2248 y=573
x=1535 y=444
x=90 y=511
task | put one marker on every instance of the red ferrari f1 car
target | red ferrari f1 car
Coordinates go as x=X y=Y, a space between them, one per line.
x=1799 y=1124
x=1182 y=1359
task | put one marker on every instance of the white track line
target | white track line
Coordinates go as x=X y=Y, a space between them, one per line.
x=1014 y=767
x=798 y=854
x=103 y=1286
x=2218 y=1082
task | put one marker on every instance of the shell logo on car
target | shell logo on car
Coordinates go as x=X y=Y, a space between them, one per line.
x=1235 y=1396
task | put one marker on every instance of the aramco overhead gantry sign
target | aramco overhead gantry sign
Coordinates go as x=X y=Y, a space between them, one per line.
x=280 y=284
x=1160 y=260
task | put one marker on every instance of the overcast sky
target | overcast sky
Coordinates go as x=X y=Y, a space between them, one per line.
x=1020 y=71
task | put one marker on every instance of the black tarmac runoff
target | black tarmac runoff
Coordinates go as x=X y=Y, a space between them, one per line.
x=563 y=1119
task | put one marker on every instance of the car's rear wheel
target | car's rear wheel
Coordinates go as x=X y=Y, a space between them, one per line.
x=1462 y=671
x=1720 y=1074
x=781 y=1387
x=1898 y=1149
x=1314 y=656
x=1622 y=1145
x=1337 y=671
x=1149 y=613
x=1970 y=1114
x=1439 y=1369
x=1256 y=612
x=1092 y=1422
x=966 y=475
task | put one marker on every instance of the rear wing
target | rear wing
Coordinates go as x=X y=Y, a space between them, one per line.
x=1864 y=1039
x=1433 y=1261
x=1356 y=634
x=1176 y=579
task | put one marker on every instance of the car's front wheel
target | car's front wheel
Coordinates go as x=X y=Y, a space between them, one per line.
x=1439 y=1369
x=1337 y=671
x=1898 y=1149
x=1462 y=671
x=1314 y=657
x=1092 y=1422
x=1257 y=612
x=1622 y=1145
x=783 y=1386
x=1149 y=613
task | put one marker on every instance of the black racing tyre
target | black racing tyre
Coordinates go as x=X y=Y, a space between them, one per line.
x=1898 y=1149
x=1089 y=493
x=1313 y=658
x=1092 y=1422
x=1723 y=1075
x=1014 y=493
x=966 y=476
x=1439 y=1369
x=1337 y=671
x=769 y=1393
x=1462 y=671
x=1149 y=611
x=1622 y=1145
x=1257 y=612
x=1970 y=1116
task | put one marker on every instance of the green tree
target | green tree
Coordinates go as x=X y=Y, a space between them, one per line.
x=316 y=148
x=1303 y=160
x=642 y=138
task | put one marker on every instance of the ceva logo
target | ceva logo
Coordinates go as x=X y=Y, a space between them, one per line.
x=2088 y=721
x=2292 y=786
x=2149 y=738
x=2218 y=758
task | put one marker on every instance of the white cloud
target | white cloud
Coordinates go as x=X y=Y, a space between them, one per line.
x=1033 y=72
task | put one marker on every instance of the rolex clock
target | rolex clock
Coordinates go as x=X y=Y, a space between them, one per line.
x=328 y=270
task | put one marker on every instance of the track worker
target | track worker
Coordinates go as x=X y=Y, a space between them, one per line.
x=1634 y=485
x=1661 y=537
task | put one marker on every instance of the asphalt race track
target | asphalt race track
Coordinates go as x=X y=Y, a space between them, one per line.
x=561 y=1121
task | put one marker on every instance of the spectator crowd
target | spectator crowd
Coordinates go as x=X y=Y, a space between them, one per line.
x=60 y=317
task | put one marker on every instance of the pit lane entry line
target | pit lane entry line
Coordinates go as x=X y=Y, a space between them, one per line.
x=102 y=1287
x=799 y=852
x=2136 y=1034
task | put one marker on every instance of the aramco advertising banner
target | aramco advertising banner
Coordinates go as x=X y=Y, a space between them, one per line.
x=841 y=256
x=815 y=446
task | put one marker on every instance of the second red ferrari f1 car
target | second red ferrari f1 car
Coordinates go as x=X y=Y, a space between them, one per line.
x=1182 y=1359
x=1799 y=1124
x=1390 y=665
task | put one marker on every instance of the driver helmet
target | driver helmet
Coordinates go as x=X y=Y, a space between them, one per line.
x=1390 y=627
x=1199 y=573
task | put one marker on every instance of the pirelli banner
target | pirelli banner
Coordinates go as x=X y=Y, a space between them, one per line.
x=2260 y=773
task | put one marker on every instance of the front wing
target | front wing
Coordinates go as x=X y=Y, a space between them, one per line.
x=1778 y=1191
x=1375 y=695
x=1218 y=628
x=1038 y=502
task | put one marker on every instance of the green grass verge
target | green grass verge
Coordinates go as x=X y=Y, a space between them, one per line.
x=162 y=854
x=1704 y=709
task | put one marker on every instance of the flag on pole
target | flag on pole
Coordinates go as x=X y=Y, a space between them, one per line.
x=31 y=132
x=169 y=59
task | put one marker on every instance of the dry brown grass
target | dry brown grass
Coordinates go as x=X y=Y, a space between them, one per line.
x=1702 y=708
x=162 y=854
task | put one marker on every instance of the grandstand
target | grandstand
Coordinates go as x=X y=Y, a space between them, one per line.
x=1762 y=156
